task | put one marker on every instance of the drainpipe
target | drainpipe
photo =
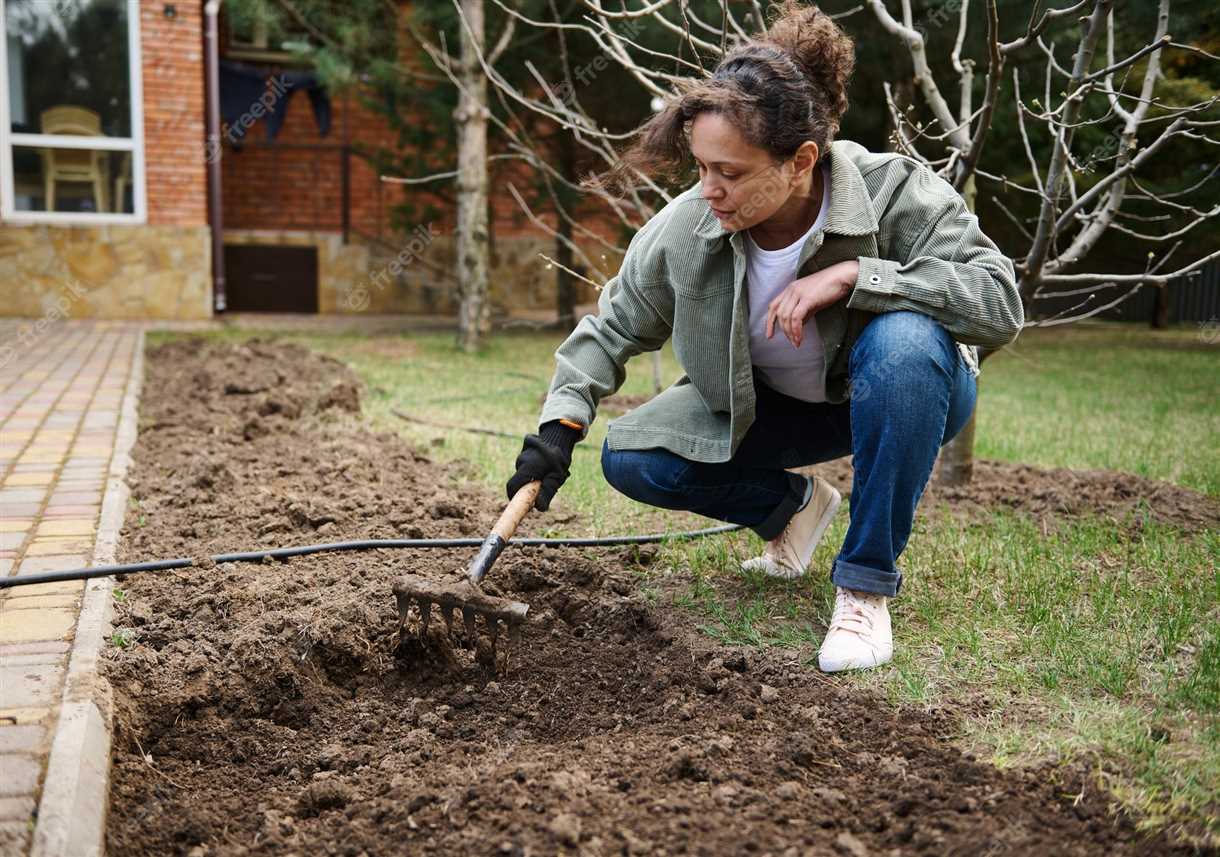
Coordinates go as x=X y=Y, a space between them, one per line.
x=211 y=73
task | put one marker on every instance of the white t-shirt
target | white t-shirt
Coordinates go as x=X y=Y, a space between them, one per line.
x=796 y=372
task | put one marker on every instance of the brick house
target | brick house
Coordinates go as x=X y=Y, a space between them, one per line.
x=105 y=178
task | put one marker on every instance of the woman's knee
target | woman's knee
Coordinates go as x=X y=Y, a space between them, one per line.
x=653 y=476
x=961 y=408
x=905 y=347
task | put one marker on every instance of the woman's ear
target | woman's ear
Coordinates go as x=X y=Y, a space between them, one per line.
x=804 y=160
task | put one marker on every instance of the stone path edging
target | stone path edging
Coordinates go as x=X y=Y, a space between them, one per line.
x=72 y=810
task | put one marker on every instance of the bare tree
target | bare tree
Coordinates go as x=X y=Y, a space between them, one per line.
x=1067 y=219
x=472 y=242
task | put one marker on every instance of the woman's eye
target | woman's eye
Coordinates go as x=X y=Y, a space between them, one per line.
x=729 y=176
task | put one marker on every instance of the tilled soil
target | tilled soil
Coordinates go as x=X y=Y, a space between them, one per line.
x=1055 y=495
x=273 y=709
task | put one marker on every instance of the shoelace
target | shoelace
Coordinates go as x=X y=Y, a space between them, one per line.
x=782 y=550
x=853 y=613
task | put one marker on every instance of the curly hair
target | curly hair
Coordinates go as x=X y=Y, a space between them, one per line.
x=784 y=86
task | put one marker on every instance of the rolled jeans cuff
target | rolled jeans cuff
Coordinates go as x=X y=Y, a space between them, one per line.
x=864 y=579
x=778 y=519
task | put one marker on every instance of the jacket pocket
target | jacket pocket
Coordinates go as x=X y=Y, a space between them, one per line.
x=702 y=277
x=694 y=291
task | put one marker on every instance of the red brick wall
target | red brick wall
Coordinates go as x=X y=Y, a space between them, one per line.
x=281 y=188
x=172 y=60
x=286 y=188
x=293 y=188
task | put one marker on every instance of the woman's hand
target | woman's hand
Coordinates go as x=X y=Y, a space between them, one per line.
x=808 y=295
x=545 y=457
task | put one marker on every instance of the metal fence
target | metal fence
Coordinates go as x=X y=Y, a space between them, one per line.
x=1191 y=300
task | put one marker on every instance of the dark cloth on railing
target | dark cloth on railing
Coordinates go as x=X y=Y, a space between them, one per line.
x=318 y=100
x=243 y=86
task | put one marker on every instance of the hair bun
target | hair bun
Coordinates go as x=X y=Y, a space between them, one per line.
x=819 y=46
x=780 y=89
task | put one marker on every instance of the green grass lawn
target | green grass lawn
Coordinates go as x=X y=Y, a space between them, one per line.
x=1110 y=397
x=1095 y=643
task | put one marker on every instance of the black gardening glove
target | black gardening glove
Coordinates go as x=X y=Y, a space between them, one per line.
x=545 y=456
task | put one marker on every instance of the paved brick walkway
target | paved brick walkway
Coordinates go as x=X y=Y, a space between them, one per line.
x=61 y=398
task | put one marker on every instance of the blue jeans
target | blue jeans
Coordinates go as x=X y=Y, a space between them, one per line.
x=912 y=392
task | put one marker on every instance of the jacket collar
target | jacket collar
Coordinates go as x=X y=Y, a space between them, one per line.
x=851 y=207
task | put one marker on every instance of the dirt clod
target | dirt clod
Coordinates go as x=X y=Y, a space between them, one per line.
x=566 y=828
x=847 y=844
x=323 y=793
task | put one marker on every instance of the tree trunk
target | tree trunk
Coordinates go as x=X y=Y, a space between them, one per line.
x=955 y=465
x=474 y=313
x=1160 y=309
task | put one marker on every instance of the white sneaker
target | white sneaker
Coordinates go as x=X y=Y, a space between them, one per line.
x=859 y=636
x=787 y=555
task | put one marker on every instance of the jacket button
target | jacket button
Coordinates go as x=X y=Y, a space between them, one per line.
x=874 y=279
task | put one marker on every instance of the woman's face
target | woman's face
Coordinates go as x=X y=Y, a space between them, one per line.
x=742 y=183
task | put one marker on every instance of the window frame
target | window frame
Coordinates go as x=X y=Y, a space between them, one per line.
x=133 y=144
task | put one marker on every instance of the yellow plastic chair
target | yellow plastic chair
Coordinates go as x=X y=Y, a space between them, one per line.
x=121 y=180
x=86 y=166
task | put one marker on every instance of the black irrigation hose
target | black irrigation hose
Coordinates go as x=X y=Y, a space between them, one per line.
x=584 y=447
x=363 y=544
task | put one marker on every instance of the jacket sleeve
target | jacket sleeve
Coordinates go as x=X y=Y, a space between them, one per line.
x=634 y=315
x=942 y=265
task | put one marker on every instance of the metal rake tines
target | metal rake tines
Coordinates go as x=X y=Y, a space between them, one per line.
x=460 y=598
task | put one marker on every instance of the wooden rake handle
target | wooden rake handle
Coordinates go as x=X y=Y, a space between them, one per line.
x=516 y=510
x=510 y=519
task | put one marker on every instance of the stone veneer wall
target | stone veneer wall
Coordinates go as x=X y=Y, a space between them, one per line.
x=106 y=271
x=358 y=278
x=164 y=272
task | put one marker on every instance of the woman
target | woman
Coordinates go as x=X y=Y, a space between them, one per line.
x=822 y=300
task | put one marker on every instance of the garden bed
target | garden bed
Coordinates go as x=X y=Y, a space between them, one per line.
x=273 y=709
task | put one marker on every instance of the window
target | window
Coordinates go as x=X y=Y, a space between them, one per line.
x=71 y=124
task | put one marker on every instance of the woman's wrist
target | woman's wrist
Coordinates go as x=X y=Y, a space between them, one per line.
x=559 y=434
x=851 y=273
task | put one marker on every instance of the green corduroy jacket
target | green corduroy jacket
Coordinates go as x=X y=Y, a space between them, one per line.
x=684 y=278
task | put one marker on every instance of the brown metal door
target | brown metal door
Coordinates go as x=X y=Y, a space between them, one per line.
x=264 y=278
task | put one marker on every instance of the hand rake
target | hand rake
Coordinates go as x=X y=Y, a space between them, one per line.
x=465 y=596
